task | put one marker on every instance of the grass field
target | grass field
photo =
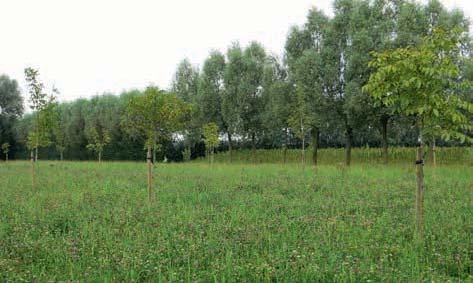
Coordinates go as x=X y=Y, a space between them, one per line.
x=92 y=222
x=360 y=155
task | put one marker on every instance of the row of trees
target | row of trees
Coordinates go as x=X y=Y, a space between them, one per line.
x=312 y=95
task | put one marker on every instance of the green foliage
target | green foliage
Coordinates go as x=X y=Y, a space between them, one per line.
x=43 y=118
x=186 y=154
x=211 y=89
x=252 y=94
x=210 y=131
x=11 y=102
x=5 y=147
x=185 y=86
x=40 y=134
x=11 y=109
x=422 y=81
x=300 y=120
x=38 y=98
x=185 y=82
x=233 y=76
x=98 y=138
x=156 y=115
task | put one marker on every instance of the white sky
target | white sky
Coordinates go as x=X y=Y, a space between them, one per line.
x=88 y=47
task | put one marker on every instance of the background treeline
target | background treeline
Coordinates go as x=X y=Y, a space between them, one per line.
x=312 y=95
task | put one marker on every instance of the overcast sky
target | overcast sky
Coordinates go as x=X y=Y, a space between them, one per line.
x=89 y=47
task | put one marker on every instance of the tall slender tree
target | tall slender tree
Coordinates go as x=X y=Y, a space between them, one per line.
x=38 y=136
x=233 y=77
x=185 y=85
x=250 y=96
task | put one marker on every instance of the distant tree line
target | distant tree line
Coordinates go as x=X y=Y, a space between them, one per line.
x=312 y=96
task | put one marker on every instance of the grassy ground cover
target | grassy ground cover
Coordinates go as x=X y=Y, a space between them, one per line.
x=92 y=222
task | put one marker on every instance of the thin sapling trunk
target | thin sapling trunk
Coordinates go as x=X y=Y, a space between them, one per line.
x=32 y=170
x=315 y=142
x=148 y=161
x=420 y=188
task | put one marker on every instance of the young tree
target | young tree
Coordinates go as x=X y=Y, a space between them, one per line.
x=210 y=131
x=301 y=121
x=6 y=149
x=38 y=136
x=98 y=137
x=59 y=126
x=423 y=82
x=156 y=115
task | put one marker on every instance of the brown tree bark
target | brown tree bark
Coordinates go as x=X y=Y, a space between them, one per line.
x=230 y=146
x=348 y=144
x=154 y=155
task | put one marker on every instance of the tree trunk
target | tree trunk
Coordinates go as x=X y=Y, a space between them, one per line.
x=315 y=144
x=253 y=146
x=285 y=146
x=154 y=154
x=384 y=125
x=432 y=154
x=32 y=170
x=348 y=142
x=420 y=188
x=190 y=153
x=212 y=155
x=36 y=153
x=62 y=156
x=6 y=157
x=148 y=161
x=100 y=156
x=230 y=146
x=303 y=153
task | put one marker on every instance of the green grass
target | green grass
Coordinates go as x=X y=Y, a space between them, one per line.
x=225 y=223
x=330 y=156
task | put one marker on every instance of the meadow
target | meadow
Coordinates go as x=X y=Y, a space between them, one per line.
x=92 y=222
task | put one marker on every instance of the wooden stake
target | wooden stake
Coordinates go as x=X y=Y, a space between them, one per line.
x=420 y=190
x=32 y=170
x=148 y=160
